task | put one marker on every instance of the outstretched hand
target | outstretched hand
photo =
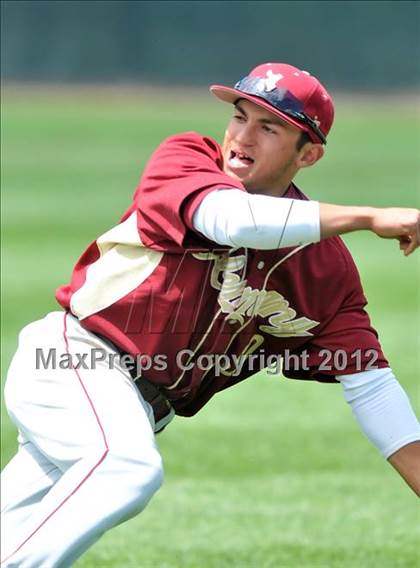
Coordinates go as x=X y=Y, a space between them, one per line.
x=398 y=223
x=388 y=223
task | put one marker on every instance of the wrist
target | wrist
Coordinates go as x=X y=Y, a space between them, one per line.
x=362 y=218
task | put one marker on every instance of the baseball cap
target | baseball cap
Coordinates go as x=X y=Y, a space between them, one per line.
x=294 y=95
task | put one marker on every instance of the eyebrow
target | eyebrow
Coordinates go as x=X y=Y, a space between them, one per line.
x=273 y=120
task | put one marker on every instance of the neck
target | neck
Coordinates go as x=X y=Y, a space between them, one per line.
x=277 y=191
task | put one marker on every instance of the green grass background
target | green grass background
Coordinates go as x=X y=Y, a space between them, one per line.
x=273 y=473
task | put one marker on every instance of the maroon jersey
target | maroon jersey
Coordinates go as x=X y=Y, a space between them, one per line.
x=206 y=317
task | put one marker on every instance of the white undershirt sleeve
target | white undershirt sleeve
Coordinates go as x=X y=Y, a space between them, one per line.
x=238 y=219
x=382 y=409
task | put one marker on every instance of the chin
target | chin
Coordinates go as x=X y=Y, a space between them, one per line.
x=245 y=181
x=233 y=175
x=249 y=184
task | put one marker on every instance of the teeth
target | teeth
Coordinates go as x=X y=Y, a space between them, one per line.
x=237 y=162
x=242 y=156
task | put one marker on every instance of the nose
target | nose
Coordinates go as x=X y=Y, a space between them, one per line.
x=245 y=135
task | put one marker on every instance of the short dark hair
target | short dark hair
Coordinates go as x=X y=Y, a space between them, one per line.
x=302 y=140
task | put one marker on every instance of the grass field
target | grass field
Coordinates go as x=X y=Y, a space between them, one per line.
x=273 y=473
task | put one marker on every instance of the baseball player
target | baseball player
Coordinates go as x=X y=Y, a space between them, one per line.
x=218 y=268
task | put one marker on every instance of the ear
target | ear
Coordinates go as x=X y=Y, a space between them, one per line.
x=309 y=155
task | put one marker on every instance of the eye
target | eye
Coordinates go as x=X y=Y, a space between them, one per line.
x=268 y=129
x=239 y=117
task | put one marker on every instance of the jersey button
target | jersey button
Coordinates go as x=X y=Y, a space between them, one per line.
x=260 y=265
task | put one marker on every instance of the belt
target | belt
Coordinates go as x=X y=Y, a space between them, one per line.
x=161 y=406
x=151 y=394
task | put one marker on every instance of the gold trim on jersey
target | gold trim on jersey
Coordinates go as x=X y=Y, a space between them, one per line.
x=124 y=263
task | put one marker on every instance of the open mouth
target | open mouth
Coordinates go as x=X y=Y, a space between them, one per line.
x=239 y=159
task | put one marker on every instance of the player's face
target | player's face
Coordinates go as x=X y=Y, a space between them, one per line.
x=260 y=149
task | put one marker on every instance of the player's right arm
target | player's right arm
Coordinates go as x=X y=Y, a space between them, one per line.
x=384 y=413
x=239 y=219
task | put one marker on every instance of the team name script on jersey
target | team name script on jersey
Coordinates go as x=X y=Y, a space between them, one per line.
x=242 y=303
x=238 y=301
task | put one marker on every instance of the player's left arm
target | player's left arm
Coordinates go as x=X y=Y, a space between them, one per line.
x=266 y=222
x=384 y=413
x=389 y=223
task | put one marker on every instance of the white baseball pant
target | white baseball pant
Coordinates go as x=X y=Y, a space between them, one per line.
x=87 y=457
